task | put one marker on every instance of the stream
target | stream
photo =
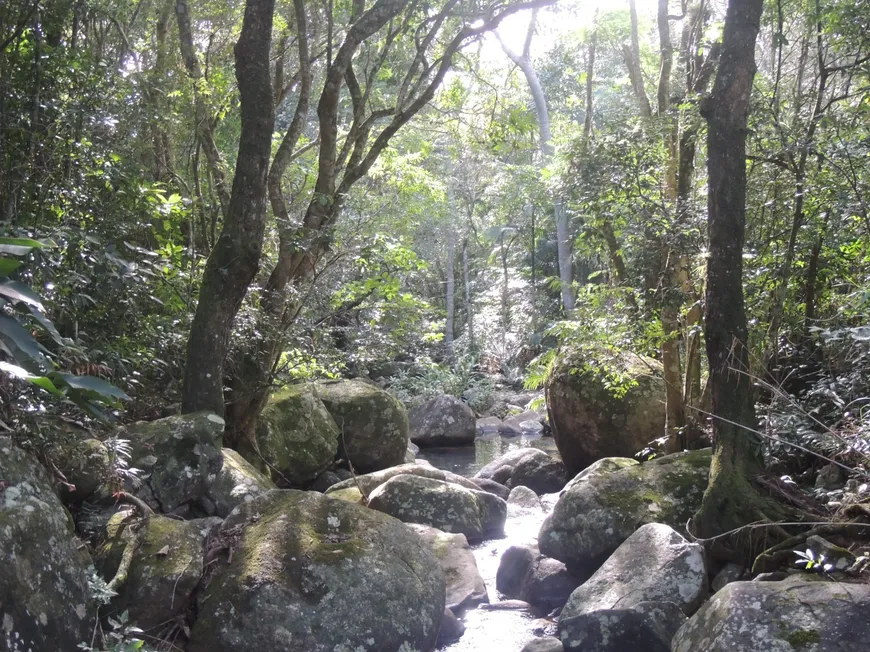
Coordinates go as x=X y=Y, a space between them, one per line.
x=505 y=631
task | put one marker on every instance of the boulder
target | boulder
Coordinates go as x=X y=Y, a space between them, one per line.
x=541 y=474
x=730 y=572
x=442 y=505
x=510 y=427
x=604 y=465
x=524 y=574
x=465 y=586
x=596 y=514
x=167 y=563
x=802 y=613
x=371 y=481
x=546 y=644
x=237 y=482
x=451 y=628
x=591 y=421
x=296 y=436
x=515 y=565
x=324 y=481
x=523 y=498
x=373 y=424
x=86 y=465
x=488 y=426
x=314 y=574
x=44 y=598
x=179 y=456
x=442 y=421
x=493 y=487
x=644 y=627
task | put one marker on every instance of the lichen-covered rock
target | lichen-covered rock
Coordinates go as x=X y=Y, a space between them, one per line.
x=314 y=574
x=237 y=482
x=493 y=487
x=44 y=600
x=543 y=475
x=589 y=422
x=167 y=563
x=525 y=574
x=86 y=465
x=374 y=425
x=604 y=465
x=465 y=586
x=544 y=644
x=643 y=627
x=442 y=421
x=179 y=456
x=371 y=481
x=523 y=498
x=442 y=505
x=800 y=614
x=600 y=511
x=296 y=435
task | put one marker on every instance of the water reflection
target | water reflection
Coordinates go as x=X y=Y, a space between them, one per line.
x=468 y=460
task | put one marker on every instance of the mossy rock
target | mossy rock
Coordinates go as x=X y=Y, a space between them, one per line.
x=44 y=598
x=599 y=511
x=86 y=465
x=237 y=482
x=372 y=423
x=371 y=481
x=296 y=435
x=314 y=574
x=590 y=422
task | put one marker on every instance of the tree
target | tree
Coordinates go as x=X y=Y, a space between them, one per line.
x=730 y=500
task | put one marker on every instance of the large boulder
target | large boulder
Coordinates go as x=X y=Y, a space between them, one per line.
x=465 y=586
x=446 y=506
x=801 y=613
x=237 y=482
x=179 y=456
x=525 y=574
x=590 y=420
x=44 y=598
x=643 y=627
x=528 y=467
x=314 y=574
x=296 y=435
x=371 y=481
x=442 y=421
x=600 y=511
x=373 y=424
x=167 y=562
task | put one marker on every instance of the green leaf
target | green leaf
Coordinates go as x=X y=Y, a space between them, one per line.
x=40 y=381
x=7 y=266
x=13 y=333
x=90 y=384
x=19 y=246
x=47 y=324
x=18 y=291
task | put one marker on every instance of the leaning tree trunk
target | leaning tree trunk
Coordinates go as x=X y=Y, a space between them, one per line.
x=236 y=255
x=730 y=500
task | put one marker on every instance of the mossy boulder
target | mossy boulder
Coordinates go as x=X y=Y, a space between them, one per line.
x=167 y=563
x=314 y=574
x=44 y=599
x=371 y=481
x=179 y=456
x=237 y=482
x=602 y=509
x=526 y=467
x=446 y=506
x=590 y=420
x=800 y=614
x=442 y=421
x=373 y=424
x=86 y=465
x=296 y=435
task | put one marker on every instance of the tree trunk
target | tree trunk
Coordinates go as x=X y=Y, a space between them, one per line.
x=730 y=500
x=469 y=309
x=451 y=285
x=631 y=55
x=233 y=262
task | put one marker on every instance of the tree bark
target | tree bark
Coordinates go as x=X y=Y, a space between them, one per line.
x=730 y=500
x=233 y=262
x=451 y=286
x=469 y=309
x=631 y=55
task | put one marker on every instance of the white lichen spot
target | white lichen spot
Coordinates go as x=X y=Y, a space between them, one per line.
x=81 y=612
x=8 y=623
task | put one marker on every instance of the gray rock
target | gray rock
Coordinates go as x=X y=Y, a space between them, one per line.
x=830 y=476
x=410 y=456
x=515 y=566
x=602 y=466
x=324 y=481
x=442 y=505
x=547 y=644
x=644 y=627
x=501 y=470
x=313 y=574
x=775 y=576
x=493 y=487
x=373 y=422
x=524 y=574
x=442 y=421
x=589 y=422
x=237 y=482
x=731 y=572
x=44 y=598
x=838 y=557
x=179 y=457
x=371 y=481
x=451 y=630
x=596 y=514
x=510 y=427
x=465 y=586
x=801 y=613
x=86 y=464
x=296 y=435
x=488 y=426
x=541 y=474
x=523 y=498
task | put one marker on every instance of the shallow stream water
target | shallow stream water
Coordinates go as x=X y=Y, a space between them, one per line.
x=494 y=631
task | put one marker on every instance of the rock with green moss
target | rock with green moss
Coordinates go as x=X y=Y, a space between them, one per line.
x=86 y=465
x=602 y=509
x=446 y=506
x=237 y=482
x=314 y=574
x=465 y=586
x=604 y=465
x=374 y=425
x=296 y=435
x=167 y=563
x=371 y=481
x=179 y=458
x=800 y=614
x=442 y=421
x=44 y=599
x=590 y=419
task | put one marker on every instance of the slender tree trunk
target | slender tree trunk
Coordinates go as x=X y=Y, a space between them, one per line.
x=810 y=285
x=233 y=262
x=631 y=56
x=590 y=78
x=730 y=500
x=469 y=308
x=451 y=286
